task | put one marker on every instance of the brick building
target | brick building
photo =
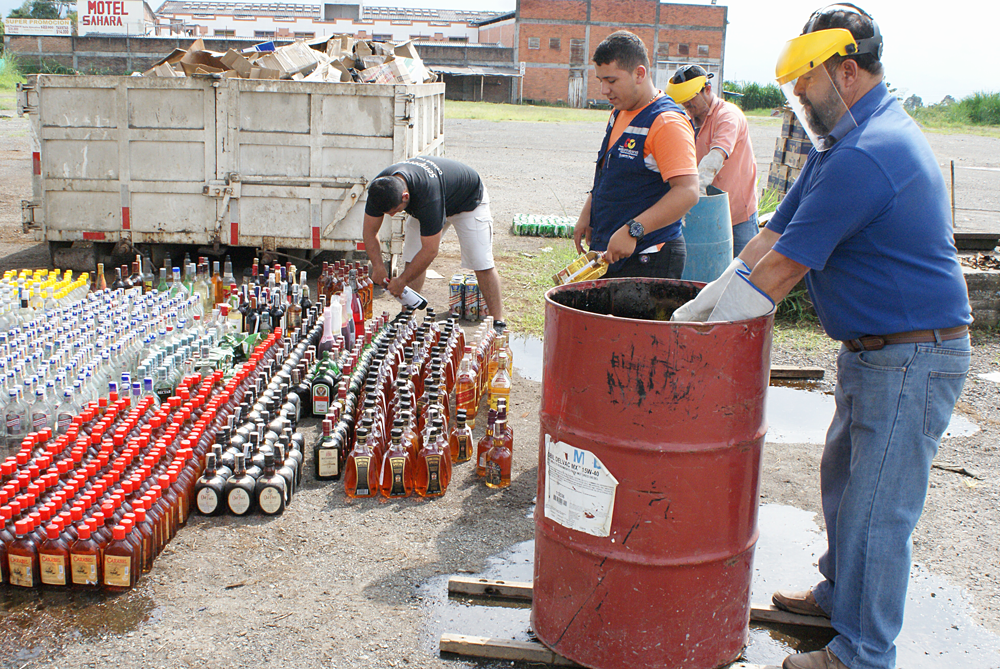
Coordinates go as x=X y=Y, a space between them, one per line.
x=556 y=41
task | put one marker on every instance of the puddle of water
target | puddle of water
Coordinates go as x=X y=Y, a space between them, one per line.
x=801 y=415
x=938 y=630
x=527 y=353
x=31 y=622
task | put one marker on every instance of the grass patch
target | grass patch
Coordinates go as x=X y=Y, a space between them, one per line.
x=7 y=101
x=526 y=278
x=488 y=111
x=976 y=114
x=804 y=337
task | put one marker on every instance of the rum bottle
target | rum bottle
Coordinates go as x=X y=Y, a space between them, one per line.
x=22 y=557
x=119 y=557
x=53 y=558
x=85 y=560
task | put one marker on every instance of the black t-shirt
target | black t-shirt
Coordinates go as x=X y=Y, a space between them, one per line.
x=438 y=187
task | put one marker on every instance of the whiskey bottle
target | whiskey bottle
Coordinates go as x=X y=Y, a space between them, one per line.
x=429 y=478
x=498 y=459
x=460 y=443
x=484 y=445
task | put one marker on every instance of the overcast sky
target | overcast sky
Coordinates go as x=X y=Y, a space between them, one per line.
x=930 y=50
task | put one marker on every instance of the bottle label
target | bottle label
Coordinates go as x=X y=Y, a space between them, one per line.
x=270 y=500
x=38 y=420
x=463 y=448
x=482 y=458
x=117 y=570
x=493 y=473
x=361 y=465
x=53 y=568
x=239 y=501
x=434 y=475
x=13 y=423
x=84 y=568
x=329 y=462
x=320 y=399
x=20 y=571
x=398 y=489
x=466 y=397
x=208 y=500
x=63 y=421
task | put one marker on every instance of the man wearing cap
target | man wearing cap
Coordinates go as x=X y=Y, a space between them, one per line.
x=646 y=177
x=722 y=145
x=867 y=224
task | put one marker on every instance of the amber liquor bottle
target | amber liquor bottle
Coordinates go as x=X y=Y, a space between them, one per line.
x=460 y=443
x=499 y=458
x=119 y=557
x=210 y=489
x=85 y=560
x=327 y=454
x=360 y=472
x=239 y=489
x=53 y=558
x=396 y=476
x=271 y=490
x=431 y=479
x=22 y=557
x=484 y=445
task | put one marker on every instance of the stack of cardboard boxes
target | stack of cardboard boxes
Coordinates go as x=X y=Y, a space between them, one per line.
x=340 y=58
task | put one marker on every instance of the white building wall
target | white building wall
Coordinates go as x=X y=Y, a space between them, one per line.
x=247 y=28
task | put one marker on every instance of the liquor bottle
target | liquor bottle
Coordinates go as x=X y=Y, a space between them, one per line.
x=368 y=291
x=430 y=476
x=461 y=442
x=101 y=282
x=251 y=319
x=327 y=454
x=397 y=471
x=119 y=282
x=465 y=392
x=293 y=313
x=163 y=286
x=508 y=434
x=357 y=308
x=498 y=458
x=360 y=470
x=218 y=288
x=53 y=558
x=409 y=297
x=148 y=276
x=484 y=445
x=22 y=557
x=286 y=467
x=85 y=560
x=135 y=278
x=17 y=420
x=306 y=302
x=270 y=492
x=210 y=488
x=500 y=383
x=239 y=490
x=277 y=310
x=119 y=558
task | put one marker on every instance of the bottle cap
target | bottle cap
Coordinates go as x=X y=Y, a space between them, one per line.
x=118 y=533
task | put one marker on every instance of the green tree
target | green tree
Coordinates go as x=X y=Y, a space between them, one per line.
x=913 y=102
x=36 y=9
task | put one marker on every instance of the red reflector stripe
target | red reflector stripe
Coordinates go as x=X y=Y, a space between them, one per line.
x=126 y=219
x=234 y=233
x=36 y=163
x=316 y=237
x=93 y=236
x=361 y=246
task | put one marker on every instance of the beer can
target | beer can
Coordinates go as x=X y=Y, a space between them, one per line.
x=456 y=296
x=471 y=298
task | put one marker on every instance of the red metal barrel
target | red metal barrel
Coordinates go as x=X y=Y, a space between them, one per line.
x=648 y=477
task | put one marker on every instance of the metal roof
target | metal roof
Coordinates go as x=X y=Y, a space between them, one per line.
x=283 y=9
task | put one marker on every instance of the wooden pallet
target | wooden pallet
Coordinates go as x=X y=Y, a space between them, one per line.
x=489 y=648
x=520 y=591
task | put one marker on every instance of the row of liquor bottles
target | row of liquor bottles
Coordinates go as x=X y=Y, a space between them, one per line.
x=113 y=490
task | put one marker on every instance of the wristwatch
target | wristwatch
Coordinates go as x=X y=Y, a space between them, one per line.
x=636 y=230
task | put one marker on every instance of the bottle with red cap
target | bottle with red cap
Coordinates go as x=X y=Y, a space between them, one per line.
x=85 y=559
x=22 y=557
x=53 y=558
x=119 y=575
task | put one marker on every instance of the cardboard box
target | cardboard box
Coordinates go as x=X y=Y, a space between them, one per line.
x=236 y=62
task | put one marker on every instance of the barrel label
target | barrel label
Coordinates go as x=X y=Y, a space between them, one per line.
x=579 y=490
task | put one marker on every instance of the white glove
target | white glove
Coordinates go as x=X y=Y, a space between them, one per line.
x=741 y=300
x=708 y=168
x=698 y=309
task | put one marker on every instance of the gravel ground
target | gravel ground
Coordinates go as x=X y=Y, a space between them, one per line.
x=340 y=583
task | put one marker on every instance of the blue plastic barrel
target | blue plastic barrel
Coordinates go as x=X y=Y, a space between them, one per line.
x=708 y=233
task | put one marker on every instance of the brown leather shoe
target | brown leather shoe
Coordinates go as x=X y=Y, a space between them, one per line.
x=802 y=603
x=820 y=659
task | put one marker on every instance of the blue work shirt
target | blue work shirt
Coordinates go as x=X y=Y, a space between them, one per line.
x=870 y=218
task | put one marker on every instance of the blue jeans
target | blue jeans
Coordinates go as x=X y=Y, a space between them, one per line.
x=893 y=405
x=743 y=233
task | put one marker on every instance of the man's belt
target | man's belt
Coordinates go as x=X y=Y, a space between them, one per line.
x=876 y=342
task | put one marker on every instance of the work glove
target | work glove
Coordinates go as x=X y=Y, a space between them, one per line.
x=699 y=309
x=708 y=168
x=741 y=300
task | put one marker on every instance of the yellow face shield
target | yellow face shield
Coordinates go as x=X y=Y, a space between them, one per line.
x=806 y=52
x=685 y=90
